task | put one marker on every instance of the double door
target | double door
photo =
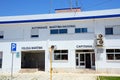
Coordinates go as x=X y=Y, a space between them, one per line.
x=85 y=60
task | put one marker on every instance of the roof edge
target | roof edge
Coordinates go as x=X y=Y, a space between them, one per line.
x=61 y=19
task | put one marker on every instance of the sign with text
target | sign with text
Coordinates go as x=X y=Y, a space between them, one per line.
x=84 y=46
x=32 y=48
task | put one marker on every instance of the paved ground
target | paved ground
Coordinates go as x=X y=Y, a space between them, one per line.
x=56 y=76
x=45 y=76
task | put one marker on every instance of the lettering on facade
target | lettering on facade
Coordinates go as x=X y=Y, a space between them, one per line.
x=55 y=26
x=84 y=46
x=112 y=26
x=41 y=27
x=62 y=26
x=31 y=48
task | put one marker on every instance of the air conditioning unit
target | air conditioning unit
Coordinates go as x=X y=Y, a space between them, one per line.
x=99 y=36
x=100 y=40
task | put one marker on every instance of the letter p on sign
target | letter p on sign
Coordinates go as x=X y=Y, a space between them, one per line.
x=13 y=47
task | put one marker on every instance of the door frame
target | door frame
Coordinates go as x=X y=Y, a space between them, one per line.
x=34 y=52
x=84 y=66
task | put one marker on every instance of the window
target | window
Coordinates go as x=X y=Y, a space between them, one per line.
x=1 y=34
x=117 y=56
x=80 y=30
x=54 y=31
x=34 y=33
x=110 y=50
x=61 y=55
x=113 y=54
x=110 y=56
x=58 y=31
x=1 y=59
x=84 y=30
x=109 y=31
x=62 y=31
x=82 y=59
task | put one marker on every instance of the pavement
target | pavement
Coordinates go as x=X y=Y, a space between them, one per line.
x=56 y=76
x=46 y=76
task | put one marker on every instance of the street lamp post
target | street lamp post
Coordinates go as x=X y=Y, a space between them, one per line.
x=51 y=51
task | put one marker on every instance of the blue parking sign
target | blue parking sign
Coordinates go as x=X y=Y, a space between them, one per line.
x=13 y=46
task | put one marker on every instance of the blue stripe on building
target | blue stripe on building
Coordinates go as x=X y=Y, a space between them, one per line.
x=61 y=19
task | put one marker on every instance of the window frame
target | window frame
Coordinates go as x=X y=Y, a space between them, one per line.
x=60 y=53
x=78 y=30
x=84 y=30
x=82 y=62
x=81 y=30
x=109 y=33
x=36 y=34
x=62 y=31
x=58 y=31
x=114 y=53
x=54 y=31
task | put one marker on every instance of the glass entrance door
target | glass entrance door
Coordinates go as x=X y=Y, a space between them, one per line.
x=85 y=59
x=80 y=60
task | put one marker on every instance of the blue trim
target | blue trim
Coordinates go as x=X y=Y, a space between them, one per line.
x=61 y=19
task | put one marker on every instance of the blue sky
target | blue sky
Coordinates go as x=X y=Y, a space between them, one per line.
x=28 y=7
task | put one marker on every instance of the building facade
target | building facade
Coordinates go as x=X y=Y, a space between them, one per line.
x=82 y=40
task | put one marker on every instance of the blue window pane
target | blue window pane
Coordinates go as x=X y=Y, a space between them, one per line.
x=77 y=30
x=108 y=31
x=62 y=31
x=84 y=30
x=54 y=31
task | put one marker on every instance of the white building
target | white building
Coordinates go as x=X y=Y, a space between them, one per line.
x=74 y=34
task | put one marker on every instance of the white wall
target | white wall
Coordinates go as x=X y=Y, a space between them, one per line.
x=20 y=34
x=110 y=42
x=22 y=31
